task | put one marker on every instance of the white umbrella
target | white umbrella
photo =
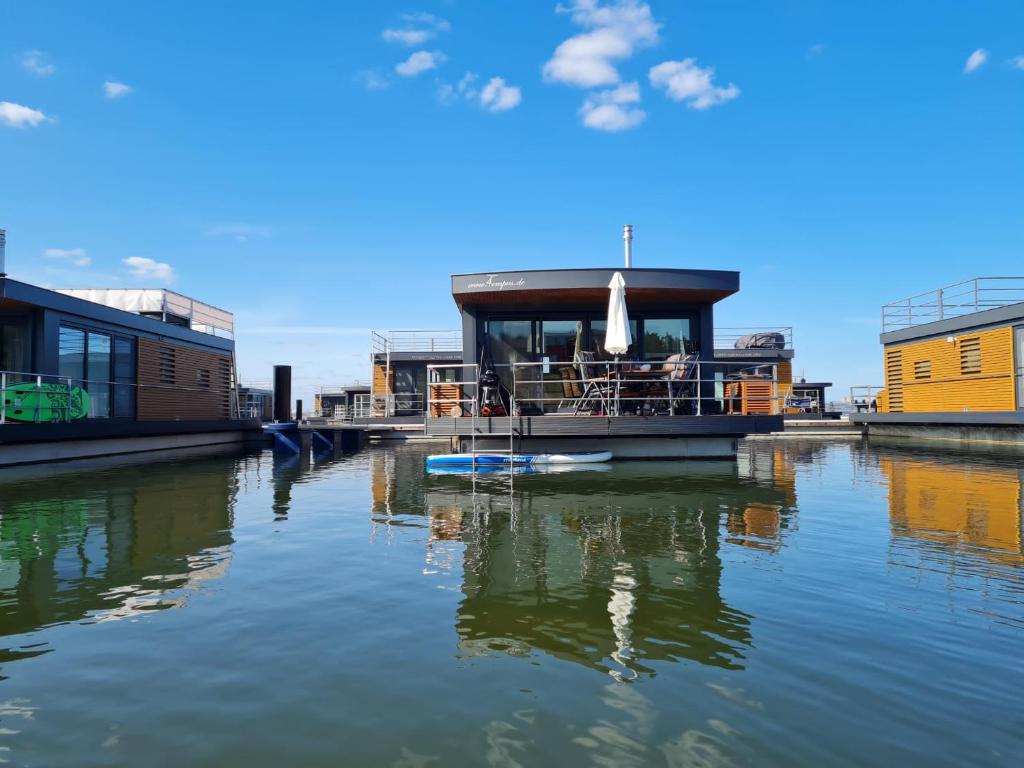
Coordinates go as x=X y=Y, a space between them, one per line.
x=617 y=338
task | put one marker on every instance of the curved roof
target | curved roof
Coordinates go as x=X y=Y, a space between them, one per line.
x=576 y=287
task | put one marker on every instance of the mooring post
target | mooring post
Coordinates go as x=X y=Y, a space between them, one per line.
x=282 y=393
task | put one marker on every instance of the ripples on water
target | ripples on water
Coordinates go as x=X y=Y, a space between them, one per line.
x=819 y=603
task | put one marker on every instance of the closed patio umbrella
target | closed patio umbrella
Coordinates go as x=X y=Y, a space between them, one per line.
x=618 y=338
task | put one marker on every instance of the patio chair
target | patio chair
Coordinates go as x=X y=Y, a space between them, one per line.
x=597 y=389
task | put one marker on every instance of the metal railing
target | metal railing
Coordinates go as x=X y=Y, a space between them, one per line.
x=334 y=389
x=864 y=398
x=609 y=389
x=728 y=337
x=427 y=340
x=201 y=317
x=47 y=399
x=968 y=297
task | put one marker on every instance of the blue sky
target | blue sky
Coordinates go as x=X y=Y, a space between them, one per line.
x=321 y=168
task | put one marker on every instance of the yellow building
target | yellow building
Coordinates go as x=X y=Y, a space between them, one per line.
x=957 y=349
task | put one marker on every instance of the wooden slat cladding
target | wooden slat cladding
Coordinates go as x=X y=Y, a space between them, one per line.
x=894 y=380
x=972 y=372
x=179 y=383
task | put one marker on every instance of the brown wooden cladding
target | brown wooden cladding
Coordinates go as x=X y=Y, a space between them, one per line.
x=178 y=383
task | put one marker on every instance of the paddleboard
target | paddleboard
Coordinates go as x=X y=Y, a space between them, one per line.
x=498 y=459
x=29 y=401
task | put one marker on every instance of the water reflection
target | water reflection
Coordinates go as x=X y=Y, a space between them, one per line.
x=616 y=570
x=949 y=512
x=105 y=544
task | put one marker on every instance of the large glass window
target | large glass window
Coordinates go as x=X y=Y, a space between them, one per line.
x=124 y=377
x=664 y=337
x=15 y=345
x=71 y=355
x=104 y=366
x=598 y=330
x=98 y=370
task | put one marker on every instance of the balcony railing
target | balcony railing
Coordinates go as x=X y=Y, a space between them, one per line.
x=334 y=389
x=46 y=399
x=607 y=389
x=445 y=340
x=968 y=297
x=762 y=337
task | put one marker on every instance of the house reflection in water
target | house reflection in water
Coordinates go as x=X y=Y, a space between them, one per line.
x=616 y=569
x=106 y=544
x=973 y=509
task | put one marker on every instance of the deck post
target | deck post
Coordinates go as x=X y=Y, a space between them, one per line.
x=3 y=397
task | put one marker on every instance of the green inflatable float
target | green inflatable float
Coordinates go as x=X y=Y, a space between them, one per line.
x=45 y=402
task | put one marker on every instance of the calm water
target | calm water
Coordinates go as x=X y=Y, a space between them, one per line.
x=813 y=603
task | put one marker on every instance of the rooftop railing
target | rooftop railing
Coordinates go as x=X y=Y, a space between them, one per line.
x=429 y=340
x=968 y=297
x=731 y=337
x=330 y=389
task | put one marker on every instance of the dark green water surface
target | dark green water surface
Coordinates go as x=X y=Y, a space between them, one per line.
x=813 y=603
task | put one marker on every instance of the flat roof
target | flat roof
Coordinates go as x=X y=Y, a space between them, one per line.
x=585 y=287
x=989 y=318
x=20 y=295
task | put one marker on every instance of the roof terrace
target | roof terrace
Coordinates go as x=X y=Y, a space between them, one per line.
x=968 y=297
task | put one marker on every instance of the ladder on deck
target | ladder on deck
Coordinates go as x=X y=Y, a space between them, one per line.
x=511 y=433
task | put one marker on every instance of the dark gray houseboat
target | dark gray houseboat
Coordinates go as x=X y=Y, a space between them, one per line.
x=535 y=373
x=94 y=372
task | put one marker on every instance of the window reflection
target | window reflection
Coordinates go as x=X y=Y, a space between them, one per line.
x=666 y=337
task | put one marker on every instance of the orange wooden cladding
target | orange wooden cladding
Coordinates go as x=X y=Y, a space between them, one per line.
x=750 y=396
x=179 y=383
x=444 y=397
x=973 y=372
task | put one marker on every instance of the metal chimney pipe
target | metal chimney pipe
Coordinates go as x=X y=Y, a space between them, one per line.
x=3 y=252
x=627 y=238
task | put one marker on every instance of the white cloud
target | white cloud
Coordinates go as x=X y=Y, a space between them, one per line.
x=815 y=50
x=421 y=61
x=497 y=96
x=148 y=269
x=74 y=256
x=18 y=116
x=1017 y=62
x=449 y=94
x=685 y=81
x=115 y=90
x=612 y=111
x=38 y=63
x=240 y=232
x=371 y=80
x=614 y=31
x=417 y=29
x=975 y=61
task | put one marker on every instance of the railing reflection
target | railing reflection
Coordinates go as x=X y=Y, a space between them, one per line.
x=140 y=540
x=617 y=570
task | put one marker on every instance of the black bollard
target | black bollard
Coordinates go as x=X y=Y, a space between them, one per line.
x=298 y=410
x=282 y=393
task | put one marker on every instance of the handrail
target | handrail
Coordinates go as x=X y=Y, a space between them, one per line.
x=11 y=379
x=693 y=385
x=956 y=300
x=725 y=337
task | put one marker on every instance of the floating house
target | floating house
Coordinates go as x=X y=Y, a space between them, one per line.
x=94 y=372
x=344 y=401
x=400 y=359
x=954 y=364
x=535 y=373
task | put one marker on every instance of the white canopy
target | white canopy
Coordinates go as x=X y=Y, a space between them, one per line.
x=202 y=317
x=618 y=338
